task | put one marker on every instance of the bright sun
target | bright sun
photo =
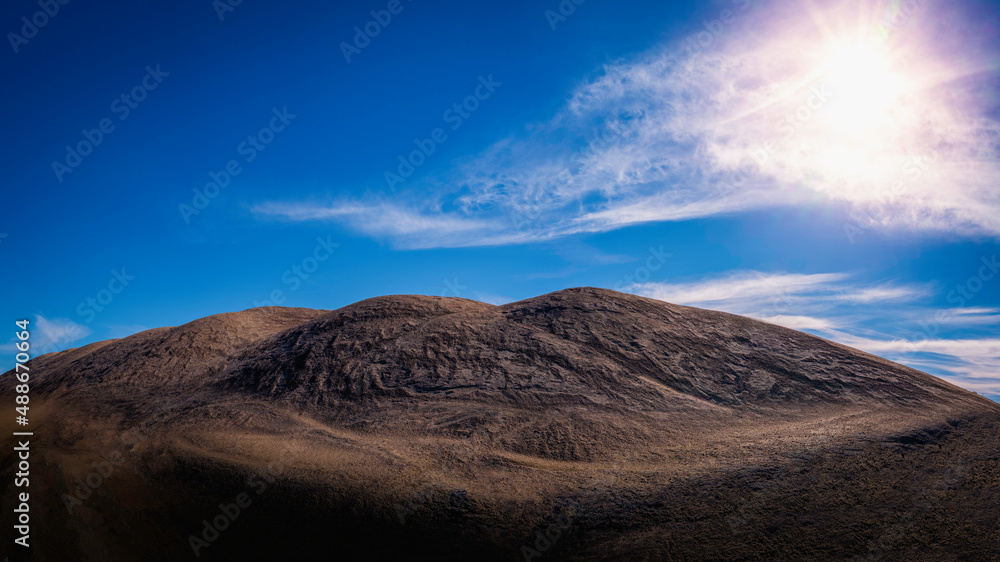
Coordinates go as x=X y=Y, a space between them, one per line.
x=850 y=109
x=864 y=88
x=853 y=139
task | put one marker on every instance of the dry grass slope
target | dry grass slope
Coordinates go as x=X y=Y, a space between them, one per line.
x=412 y=427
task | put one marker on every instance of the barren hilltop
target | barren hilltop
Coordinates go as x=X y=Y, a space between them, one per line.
x=584 y=424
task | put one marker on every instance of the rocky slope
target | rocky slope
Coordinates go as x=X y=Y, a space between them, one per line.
x=580 y=425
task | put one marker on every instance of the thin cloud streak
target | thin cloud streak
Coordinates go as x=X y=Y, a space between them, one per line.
x=801 y=322
x=56 y=334
x=743 y=290
x=382 y=220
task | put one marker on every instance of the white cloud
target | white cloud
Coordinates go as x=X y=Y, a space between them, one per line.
x=740 y=292
x=900 y=130
x=53 y=335
x=411 y=228
x=979 y=348
x=886 y=293
x=973 y=311
x=968 y=318
x=801 y=322
x=799 y=301
x=491 y=298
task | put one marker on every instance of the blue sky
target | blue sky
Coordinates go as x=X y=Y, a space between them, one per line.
x=828 y=166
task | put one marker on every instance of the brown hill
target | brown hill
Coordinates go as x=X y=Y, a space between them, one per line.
x=415 y=427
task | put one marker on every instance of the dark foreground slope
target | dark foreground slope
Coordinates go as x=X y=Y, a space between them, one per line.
x=581 y=425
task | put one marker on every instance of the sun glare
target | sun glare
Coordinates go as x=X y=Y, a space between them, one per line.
x=864 y=89
x=854 y=135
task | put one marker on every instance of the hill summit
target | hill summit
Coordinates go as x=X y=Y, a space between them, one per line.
x=658 y=431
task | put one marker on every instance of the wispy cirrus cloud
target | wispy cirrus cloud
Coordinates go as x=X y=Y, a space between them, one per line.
x=51 y=335
x=745 y=292
x=801 y=322
x=957 y=347
x=789 y=102
x=775 y=295
x=382 y=219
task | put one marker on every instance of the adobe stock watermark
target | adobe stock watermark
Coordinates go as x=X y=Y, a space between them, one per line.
x=436 y=487
x=452 y=288
x=611 y=131
x=752 y=507
x=702 y=40
x=102 y=471
x=229 y=513
x=924 y=502
x=547 y=537
x=562 y=520
x=961 y=296
x=249 y=149
x=530 y=206
x=89 y=308
x=657 y=257
x=223 y=7
x=967 y=291
x=294 y=276
x=363 y=35
x=900 y=14
x=814 y=99
x=913 y=171
x=455 y=116
x=31 y=26
x=122 y=106
x=72 y=333
x=561 y=14
x=415 y=502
